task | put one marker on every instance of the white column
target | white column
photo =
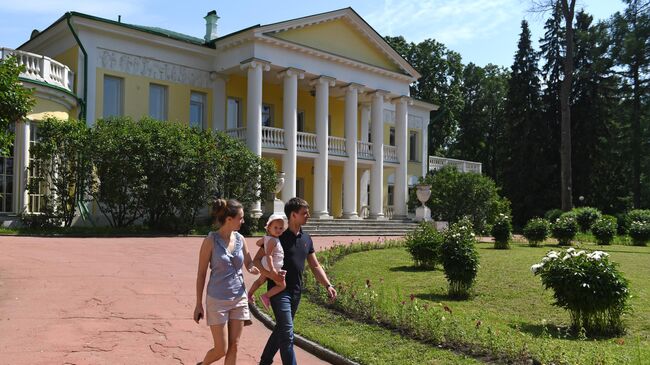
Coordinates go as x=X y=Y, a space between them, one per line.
x=364 y=181
x=350 y=167
x=401 y=142
x=21 y=161
x=290 y=78
x=322 y=84
x=425 y=147
x=377 y=169
x=254 y=114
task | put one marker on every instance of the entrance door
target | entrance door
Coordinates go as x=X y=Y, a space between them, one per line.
x=7 y=183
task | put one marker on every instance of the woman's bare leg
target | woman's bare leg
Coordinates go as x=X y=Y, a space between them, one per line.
x=235 y=328
x=219 y=349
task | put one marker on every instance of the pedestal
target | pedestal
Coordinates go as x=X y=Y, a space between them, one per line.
x=423 y=214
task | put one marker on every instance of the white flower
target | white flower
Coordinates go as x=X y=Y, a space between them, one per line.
x=576 y=254
x=535 y=268
x=566 y=257
x=552 y=255
x=570 y=249
x=545 y=259
x=585 y=285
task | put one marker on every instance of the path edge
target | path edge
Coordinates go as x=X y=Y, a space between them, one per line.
x=305 y=344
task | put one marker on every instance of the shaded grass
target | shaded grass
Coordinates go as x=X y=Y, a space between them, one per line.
x=511 y=302
x=366 y=343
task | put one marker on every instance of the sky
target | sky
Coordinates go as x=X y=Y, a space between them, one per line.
x=482 y=31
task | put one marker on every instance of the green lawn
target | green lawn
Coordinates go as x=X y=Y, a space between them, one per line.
x=510 y=302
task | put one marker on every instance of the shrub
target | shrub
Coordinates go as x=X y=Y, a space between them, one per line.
x=623 y=223
x=640 y=233
x=553 y=214
x=459 y=258
x=625 y=219
x=457 y=195
x=424 y=245
x=61 y=167
x=589 y=286
x=604 y=230
x=501 y=231
x=565 y=229
x=586 y=216
x=16 y=100
x=536 y=231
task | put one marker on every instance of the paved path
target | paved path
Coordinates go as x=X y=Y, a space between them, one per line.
x=110 y=301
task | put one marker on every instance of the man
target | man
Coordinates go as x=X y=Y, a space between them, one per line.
x=297 y=247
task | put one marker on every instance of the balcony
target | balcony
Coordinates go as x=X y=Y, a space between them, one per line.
x=42 y=69
x=390 y=154
x=436 y=163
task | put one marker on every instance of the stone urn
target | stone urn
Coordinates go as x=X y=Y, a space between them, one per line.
x=279 y=183
x=423 y=213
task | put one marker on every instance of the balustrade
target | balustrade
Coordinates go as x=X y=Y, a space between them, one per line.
x=364 y=150
x=307 y=142
x=337 y=146
x=436 y=163
x=272 y=137
x=41 y=68
x=237 y=133
x=390 y=153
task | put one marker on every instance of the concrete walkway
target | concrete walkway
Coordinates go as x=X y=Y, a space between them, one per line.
x=111 y=301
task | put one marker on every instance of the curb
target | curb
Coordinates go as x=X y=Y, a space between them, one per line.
x=305 y=344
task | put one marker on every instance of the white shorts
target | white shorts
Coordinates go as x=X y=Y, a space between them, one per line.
x=219 y=311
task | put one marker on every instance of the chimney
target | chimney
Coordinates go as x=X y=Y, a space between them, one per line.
x=211 y=26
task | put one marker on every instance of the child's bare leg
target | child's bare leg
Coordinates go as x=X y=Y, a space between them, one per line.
x=256 y=285
x=276 y=289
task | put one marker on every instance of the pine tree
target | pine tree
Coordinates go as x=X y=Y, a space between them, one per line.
x=525 y=171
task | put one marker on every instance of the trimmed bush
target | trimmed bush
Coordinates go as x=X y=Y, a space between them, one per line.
x=553 y=214
x=457 y=195
x=640 y=233
x=589 y=286
x=604 y=229
x=565 y=229
x=586 y=216
x=501 y=231
x=459 y=258
x=639 y=215
x=424 y=245
x=536 y=231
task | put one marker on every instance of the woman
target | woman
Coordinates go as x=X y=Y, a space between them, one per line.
x=226 y=300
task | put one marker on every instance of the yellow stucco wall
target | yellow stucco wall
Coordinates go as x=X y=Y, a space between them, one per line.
x=136 y=97
x=70 y=58
x=341 y=38
x=304 y=171
x=46 y=108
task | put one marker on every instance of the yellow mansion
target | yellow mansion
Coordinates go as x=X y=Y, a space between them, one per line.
x=324 y=96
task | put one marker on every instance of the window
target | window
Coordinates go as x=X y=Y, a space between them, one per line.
x=413 y=146
x=391 y=138
x=391 y=195
x=158 y=101
x=329 y=125
x=7 y=179
x=113 y=96
x=36 y=193
x=197 y=110
x=233 y=114
x=301 y=121
x=267 y=115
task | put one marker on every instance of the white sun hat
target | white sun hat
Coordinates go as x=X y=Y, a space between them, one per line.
x=275 y=217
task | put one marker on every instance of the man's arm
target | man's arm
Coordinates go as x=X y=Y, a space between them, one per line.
x=320 y=275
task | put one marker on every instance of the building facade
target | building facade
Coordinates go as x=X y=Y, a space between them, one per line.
x=323 y=96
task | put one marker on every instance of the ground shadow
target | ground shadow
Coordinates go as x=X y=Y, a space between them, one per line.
x=405 y=268
x=440 y=297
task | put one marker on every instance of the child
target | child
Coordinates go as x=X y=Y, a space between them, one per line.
x=273 y=259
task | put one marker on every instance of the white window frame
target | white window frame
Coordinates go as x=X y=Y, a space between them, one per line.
x=158 y=111
x=232 y=124
x=118 y=98
x=198 y=100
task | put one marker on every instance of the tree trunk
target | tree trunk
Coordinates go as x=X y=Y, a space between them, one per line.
x=565 y=108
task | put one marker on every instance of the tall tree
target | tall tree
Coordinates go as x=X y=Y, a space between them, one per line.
x=631 y=32
x=15 y=101
x=480 y=124
x=524 y=157
x=441 y=71
x=567 y=8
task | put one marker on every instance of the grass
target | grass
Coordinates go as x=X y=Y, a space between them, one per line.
x=510 y=303
x=366 y=343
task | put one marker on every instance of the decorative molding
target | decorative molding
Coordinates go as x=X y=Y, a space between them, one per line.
x=331 y=81
x=290 y=71
x=152 y=68
x=255 y=62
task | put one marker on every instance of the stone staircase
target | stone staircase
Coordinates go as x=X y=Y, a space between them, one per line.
x=362 y=227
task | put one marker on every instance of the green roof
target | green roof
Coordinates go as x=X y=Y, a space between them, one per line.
x=168 y=33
